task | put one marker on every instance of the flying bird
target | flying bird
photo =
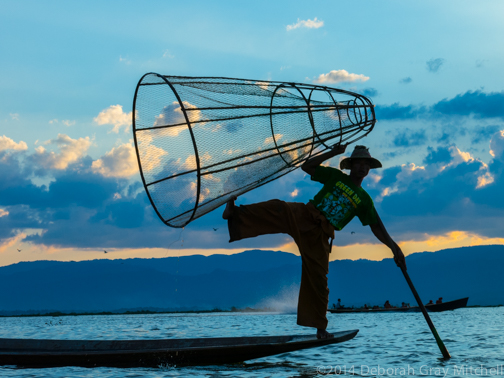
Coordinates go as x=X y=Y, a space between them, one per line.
x=19 y=250
x=215 y=229
x=104 y=251
x=353 y=232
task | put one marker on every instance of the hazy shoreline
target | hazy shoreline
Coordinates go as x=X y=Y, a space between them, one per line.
x=136 y=312
x=153 y=312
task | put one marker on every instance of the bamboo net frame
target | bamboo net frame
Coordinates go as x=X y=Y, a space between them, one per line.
x=202 y=140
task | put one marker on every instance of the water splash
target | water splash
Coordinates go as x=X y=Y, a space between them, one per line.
x=285 y=301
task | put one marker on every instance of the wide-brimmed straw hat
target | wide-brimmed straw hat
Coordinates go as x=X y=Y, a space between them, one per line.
x=360 y=152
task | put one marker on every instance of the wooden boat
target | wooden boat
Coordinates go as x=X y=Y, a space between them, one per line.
x=447 y=306
x=154 y=353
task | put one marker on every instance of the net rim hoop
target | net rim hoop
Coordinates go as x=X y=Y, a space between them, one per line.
x=193 y=139
x=133 y=114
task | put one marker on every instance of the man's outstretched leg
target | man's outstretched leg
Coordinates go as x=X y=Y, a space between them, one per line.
x=263 y=218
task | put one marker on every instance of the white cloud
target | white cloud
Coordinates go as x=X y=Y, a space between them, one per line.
x=67 y=122
x=269 y=140
x=340 y=76
x=301 y=150
x=231 y=151
x=3 y=213
x=374 y=178
x=172 y=115
x=485 y=180
x=204 y=193
x=458 y=157
x=14 y=116
x=310 y=24
x=150 y=155
x=262 y=84
x=124 y=60
x=409 y=172
x=114 y=115
x=8 y=144
x=190 y=162
x=294 y=193
x=71 y=150
x=119 y=162
x=216 y=128
x=497 y=144
x=168 y=55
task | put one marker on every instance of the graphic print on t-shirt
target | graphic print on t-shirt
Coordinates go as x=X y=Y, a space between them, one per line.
x=339 y=204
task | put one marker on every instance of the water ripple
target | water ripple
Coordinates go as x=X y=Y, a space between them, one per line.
x=387 y=344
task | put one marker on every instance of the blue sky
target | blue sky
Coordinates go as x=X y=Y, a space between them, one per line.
x=70 y=186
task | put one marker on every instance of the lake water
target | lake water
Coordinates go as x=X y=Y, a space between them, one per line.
x=388 y=345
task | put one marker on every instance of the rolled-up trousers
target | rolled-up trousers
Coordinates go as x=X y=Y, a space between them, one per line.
x=311 y=232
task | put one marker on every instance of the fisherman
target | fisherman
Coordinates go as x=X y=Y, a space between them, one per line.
x=440 y=300
x=339 y=305
x=430 y=303
x=387 y=304
x=311 y=225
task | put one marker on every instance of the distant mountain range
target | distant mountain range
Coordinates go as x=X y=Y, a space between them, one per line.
x=250 y=279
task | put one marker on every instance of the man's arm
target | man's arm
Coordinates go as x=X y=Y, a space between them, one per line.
x=382 y=235
x=311 y=164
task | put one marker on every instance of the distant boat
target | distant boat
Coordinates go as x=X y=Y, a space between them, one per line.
x=35 y=353
x=447 y=306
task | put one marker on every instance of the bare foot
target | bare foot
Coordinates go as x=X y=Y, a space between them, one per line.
x=229 y=208
x=323 y=334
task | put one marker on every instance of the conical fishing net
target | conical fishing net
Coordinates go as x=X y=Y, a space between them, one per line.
x=202 y=140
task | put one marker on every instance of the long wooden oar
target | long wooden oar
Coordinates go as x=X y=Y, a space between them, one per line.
x=440 y=343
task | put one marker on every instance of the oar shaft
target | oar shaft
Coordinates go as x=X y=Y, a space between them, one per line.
x=440 y=343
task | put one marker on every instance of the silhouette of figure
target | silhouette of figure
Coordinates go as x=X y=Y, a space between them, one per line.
x=312 y=225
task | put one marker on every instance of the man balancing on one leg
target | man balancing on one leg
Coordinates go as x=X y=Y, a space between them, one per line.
x=311 y=225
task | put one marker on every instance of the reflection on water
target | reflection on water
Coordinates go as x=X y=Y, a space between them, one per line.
x=388 y=344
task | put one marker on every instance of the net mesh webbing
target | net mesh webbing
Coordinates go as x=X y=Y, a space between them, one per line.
x=201 y=140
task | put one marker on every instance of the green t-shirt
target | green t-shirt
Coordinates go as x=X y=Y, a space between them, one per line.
x=340 y=199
